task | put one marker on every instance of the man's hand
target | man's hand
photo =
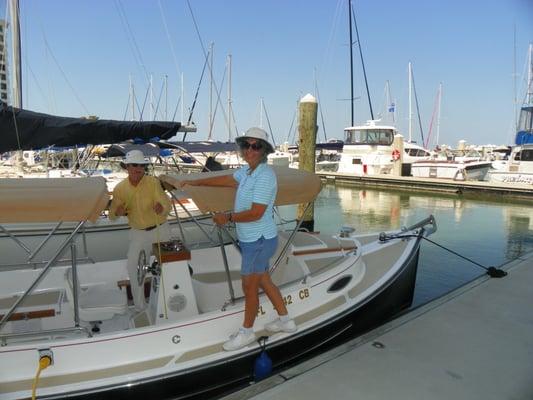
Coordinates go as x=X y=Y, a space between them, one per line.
x=121 y=211
x=158 y=208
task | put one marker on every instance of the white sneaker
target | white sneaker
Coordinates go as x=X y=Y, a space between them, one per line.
x=279 y=326
x=239 y=340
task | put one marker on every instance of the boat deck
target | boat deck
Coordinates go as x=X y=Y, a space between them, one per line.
x=518 y=191
x=473 y=343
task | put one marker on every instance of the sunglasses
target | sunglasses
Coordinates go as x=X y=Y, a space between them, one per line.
x=253 y=146
x=136 y=165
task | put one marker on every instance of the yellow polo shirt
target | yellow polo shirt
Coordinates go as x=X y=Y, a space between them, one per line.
x=139 y=202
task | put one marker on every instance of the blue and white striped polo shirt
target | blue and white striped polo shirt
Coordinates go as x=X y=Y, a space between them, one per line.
x=259 y=187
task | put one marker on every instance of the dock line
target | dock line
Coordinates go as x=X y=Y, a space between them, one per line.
x=493 y=272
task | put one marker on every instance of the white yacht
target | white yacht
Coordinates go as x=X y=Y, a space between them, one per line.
x=368 y=149
x=517 y=169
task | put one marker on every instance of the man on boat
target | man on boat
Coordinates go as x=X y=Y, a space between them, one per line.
x=141 y=198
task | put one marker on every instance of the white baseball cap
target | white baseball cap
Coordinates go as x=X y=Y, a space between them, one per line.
x=256 y=133
x=134 y=157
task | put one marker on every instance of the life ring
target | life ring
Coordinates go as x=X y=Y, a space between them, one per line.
x=396 y=154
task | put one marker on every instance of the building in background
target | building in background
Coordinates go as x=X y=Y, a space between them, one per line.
x=3 y=62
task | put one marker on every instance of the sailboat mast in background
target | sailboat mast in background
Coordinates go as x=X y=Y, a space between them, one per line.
x=16 y=82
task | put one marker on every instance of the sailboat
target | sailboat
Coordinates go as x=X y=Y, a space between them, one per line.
x=71 y=322
x=367 y=148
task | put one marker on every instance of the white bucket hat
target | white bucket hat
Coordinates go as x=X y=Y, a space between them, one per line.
x=134 y=157
x=256 y=133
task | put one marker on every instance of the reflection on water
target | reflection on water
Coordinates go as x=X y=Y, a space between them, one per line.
x=490 y=233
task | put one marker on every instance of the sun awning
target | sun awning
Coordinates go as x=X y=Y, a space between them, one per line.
x=294 y=187
x=52 y=200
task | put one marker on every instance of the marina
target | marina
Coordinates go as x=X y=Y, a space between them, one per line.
x=503 y=190
x=356 y=254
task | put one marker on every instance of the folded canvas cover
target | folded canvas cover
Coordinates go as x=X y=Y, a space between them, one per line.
x=294 y=187
x=52 y=200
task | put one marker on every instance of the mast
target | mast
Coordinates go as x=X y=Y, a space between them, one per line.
x=529 y=95
x=17 y=69
x=410 y=104
x=132 y=97
x=182 y=99
x=15 y=44
x=210 y=132
x=229 y=97
x=351 y=61
x=151 y=97
x=438 y=113
x=261 y=105
x=166 y=97
x=390 y=105
x=364 y=69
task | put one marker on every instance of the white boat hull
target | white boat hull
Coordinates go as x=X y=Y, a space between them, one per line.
x=334 y=289
x=460 y=171
x=521 y=178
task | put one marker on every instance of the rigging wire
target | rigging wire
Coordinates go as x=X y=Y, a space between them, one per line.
x=64 y=75
x=172 y=50
x=292 y=124
x=493 y=272
x=435 y=105
x=362 y=63
x=417 y=107
x=320 y=108
x=159 y=100
x=176 y=109
x=141 y=111
x=131 y=37
x=269 y=126
x=206 y=53
x=127 y=108
x=197 y=90
x=218 y=102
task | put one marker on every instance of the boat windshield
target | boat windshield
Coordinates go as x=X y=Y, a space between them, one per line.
x=524 y=155
x=383 y=137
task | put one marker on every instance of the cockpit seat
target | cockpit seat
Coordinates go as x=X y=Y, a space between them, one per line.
x=97 y=302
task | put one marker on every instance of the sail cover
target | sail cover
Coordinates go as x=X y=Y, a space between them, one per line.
x=37 y=130
x=52 y=200
x=294 y=187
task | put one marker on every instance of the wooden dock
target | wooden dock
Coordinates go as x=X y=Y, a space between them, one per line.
x=516 y=191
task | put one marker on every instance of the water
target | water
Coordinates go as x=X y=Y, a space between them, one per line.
x=487 y=231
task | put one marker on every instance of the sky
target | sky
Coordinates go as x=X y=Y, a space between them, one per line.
x=84 y=57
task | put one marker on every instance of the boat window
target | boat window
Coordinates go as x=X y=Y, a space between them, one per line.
x=525 y=123
x=527 y=155
x=370 y=136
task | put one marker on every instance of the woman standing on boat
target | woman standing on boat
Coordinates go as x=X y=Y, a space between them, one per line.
x=256 y=230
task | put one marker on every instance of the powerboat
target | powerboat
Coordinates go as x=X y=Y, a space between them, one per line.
x=518 y=169
x=368 y=149
x=67 y=329
x=451 y=169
